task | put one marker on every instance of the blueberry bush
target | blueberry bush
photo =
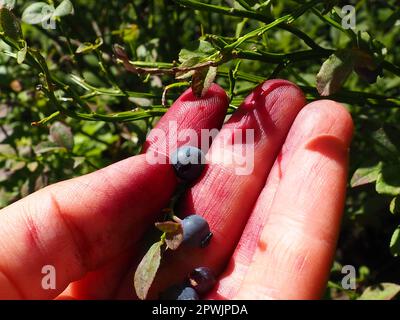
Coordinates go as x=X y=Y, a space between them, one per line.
x=82 y=82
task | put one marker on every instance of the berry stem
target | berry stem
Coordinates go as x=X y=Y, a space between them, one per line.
x=176 y=219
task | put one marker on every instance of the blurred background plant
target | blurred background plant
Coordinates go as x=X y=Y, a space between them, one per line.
x=82 y=83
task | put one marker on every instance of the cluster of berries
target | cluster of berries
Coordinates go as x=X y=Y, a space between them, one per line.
x=188 y=163
x=193 y=231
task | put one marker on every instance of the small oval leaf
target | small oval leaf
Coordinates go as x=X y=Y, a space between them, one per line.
x=381 y=291
x=46 y=146
x=395 y=205
x=85 y=47
x=62 y=135
x=365 y=175
x=395 y=242
x=388 y=181
x=64 y=9
x=334 y=72
x=147 y=270
x=21 y=54
x=37 y=12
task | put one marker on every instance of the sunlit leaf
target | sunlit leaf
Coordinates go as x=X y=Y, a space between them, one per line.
x=365 y=175
x=388 y=181
x=395 y=243
x=37 y=12
x=334 y=72
x=147 y=270
x=64 y=8
x=47 y=146
x=382 y=291
x=395 y=205
x=21 y=54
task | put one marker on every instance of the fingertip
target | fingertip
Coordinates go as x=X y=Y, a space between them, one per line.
x=283 y=88
x=188 y=113
x=331 y=113
x=215 y=91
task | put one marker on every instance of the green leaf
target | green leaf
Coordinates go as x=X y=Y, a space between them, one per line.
x=147 y=270
x=78 y=161
x=198 y=49
x=192 y=62
x=88 y=47
x=32 y=166
x=65 y=8
x=17 y=165
x=46 y=146
x=21 y=54
x=197 y=53
x=37 y=12
x=10 y=25
x=85 y=47
x=388 y=181
x=167 y=226
x=334 y=72
x=382 y=291
x=7 y=151
x=62 y=135
x=387 y=144
x=365 y=175
x=395 y=243
x=395 y=205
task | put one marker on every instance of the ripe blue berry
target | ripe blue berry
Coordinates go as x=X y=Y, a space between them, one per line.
x=179 y=292
x=196 y=231
x=202 y=279
x=188 y=163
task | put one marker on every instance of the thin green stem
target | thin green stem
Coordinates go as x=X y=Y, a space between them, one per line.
x=289 y=18
x=252 y=15
x=350 y=33
x=280 y=57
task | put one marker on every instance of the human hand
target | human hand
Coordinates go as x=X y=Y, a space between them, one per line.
x=275 y=230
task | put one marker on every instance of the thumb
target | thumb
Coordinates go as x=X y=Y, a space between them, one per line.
x=76 y=225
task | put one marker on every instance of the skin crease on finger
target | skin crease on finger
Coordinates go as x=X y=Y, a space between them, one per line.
x=286 y=249
x=224 y=198
x=186 y=112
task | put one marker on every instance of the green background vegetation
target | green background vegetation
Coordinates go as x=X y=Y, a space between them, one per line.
x=68 y=106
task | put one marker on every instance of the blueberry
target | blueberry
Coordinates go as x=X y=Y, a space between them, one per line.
x=188 y=163
x=196 y=231
x=202 y=279
x=179 y=292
